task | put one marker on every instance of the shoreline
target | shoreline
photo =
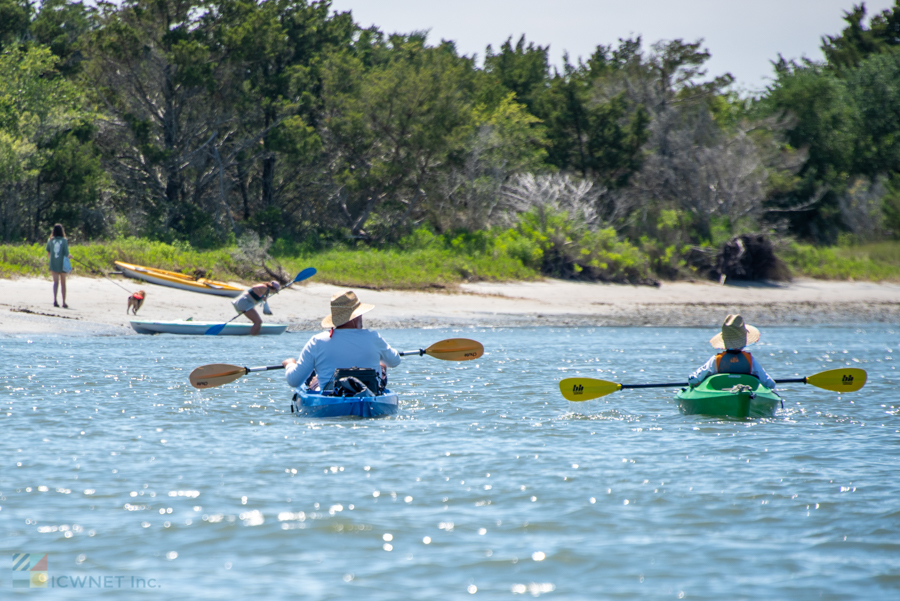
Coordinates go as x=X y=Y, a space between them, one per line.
x=98 y=305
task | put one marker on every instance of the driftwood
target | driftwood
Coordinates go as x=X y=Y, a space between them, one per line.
x=749 y=257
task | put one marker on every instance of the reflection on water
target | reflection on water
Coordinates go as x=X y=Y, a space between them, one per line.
x=486 y=483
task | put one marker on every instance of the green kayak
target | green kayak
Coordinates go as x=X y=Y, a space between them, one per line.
x=729 y=395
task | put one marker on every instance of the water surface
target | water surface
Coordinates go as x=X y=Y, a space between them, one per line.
x=487 y=483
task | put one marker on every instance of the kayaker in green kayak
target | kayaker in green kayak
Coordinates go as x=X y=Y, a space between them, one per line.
x=735 y=335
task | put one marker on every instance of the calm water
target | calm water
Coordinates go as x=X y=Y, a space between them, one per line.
x=488 y=483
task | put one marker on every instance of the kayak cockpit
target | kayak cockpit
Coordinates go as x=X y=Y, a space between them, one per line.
x=309 y=403
x=729 y=395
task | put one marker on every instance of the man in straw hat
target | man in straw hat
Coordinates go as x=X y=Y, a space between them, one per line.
x=246 y=303
x=346 y=344
x=734 y=337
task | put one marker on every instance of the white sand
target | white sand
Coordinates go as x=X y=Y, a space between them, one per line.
x=97 y=306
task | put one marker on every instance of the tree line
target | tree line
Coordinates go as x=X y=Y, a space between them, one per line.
x=202 y=121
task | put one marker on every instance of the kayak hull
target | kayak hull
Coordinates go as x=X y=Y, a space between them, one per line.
x=312 y=404
x=199 y=328
x=178 y=280
x=729 y=395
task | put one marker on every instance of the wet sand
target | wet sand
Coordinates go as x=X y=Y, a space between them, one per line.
x=97 y=306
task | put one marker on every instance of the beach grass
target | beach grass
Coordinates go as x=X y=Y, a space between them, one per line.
x=409 y=269
x=418 y=268
x=429 y=265
x=878 y=261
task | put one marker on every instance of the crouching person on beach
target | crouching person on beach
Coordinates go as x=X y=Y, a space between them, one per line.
x=345 y=344
x=735 y=335
x=246 y=302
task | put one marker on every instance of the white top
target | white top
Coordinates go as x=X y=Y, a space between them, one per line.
x=709 y=368
x=346 y=348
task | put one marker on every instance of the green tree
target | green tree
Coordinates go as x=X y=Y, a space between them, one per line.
x=152 y=67
x=15 y=15
x=276 y=47
x=391 y=127
x=60 y=25
x=502 y=141
x=48 y=169
x=874 y=89
x=522 y=69
x=598 y=138
x=857 y=42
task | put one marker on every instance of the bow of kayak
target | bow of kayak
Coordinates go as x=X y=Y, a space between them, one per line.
x=729 y=395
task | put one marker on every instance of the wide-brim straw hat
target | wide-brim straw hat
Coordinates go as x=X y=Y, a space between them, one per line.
x=735 y=334
x=345 y=307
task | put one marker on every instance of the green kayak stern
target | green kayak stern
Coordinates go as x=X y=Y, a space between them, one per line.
x=729 y=395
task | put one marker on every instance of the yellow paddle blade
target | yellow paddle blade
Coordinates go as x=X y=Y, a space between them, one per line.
x=585 y=389
x=210 y=376
x=848 y=379
x=456 y=349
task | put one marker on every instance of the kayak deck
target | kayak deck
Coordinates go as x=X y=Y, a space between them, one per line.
x=181 y=281
x=313 y=404
x=199 y=328
x=729 y=395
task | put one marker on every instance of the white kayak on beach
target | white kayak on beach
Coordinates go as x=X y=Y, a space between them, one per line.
x=199 y=328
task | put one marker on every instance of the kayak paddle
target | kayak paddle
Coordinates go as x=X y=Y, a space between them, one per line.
x=453 y=349
x=217 y=374
x=303 y=275
x=849 y=379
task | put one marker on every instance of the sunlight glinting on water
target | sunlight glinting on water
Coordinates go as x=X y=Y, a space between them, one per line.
x=486 y=484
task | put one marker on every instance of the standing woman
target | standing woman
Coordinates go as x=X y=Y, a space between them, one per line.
x=58 y=251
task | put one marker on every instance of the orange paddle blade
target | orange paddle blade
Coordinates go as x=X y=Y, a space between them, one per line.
x=217 y=374
x=456 y=349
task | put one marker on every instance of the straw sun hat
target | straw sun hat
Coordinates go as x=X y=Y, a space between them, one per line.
x=735 y=334
x=345 y=307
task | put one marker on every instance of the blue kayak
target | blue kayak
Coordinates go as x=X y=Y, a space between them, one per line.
x=307 y=403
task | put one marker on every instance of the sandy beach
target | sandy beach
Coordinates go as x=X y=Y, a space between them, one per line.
x=97 y=306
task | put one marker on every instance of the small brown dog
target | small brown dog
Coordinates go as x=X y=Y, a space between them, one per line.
x=135 y=301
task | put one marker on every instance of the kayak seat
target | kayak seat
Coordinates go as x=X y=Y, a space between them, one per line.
x=365 y=375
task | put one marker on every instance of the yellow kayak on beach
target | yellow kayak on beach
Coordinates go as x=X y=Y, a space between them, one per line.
x=178 y=280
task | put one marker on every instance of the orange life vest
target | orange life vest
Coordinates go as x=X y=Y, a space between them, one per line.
x=734 y=362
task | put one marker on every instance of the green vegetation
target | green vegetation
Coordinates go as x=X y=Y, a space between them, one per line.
x=878 y=261
x=151 y=128
x=434 y=266
x=425 y=261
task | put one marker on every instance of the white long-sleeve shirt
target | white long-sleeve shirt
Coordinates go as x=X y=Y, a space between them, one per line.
x=345 y=348
x=709 y=368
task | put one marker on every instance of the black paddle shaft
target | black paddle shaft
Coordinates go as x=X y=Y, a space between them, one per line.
x=669 y=385
x=263 y=368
